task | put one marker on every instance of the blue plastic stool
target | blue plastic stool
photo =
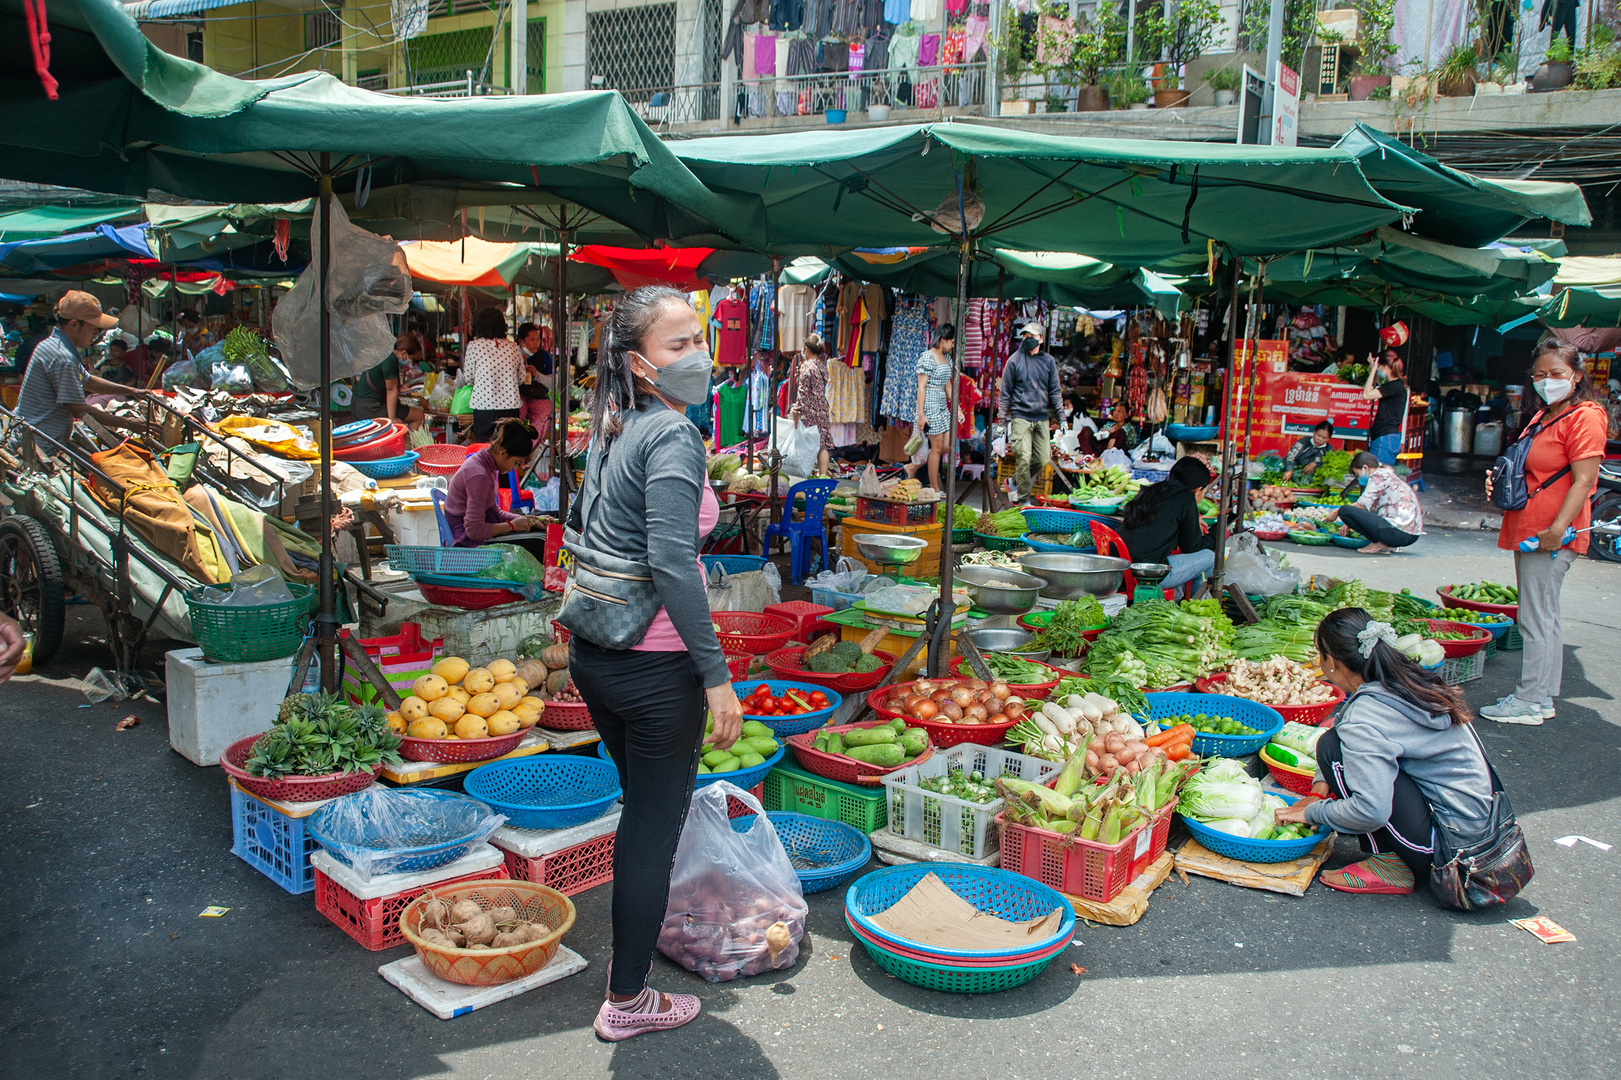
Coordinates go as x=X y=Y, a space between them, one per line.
x=446 y=539
x=812 y=525
x=520 y=496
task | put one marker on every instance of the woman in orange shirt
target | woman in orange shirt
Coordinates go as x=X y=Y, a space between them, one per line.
x=1561 y=472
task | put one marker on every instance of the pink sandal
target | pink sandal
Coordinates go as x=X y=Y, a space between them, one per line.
x=1374 y=876
x=615 y=1026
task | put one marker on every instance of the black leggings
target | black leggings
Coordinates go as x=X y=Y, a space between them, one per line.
x=1374 y=527
x=1410 y=832
x=649 y=710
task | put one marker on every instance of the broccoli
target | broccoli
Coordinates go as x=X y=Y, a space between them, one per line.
x=846 y=653
x=868 y=663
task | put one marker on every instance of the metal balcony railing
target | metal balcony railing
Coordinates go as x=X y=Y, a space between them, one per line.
x=924 y=88
x=455 y=88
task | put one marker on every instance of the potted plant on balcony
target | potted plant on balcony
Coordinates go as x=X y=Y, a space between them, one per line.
x=1077 y=55
x=1225 y=82
x=1598 y=65
x=1183 y=35
x=1378 y=17
x=1126 y=90
x=1459 y=72
x=1557 y=69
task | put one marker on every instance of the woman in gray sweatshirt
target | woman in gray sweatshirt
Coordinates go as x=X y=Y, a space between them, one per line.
x=647 y=499
x=1401 y=758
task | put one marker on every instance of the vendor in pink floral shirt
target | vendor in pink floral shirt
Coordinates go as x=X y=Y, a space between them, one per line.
x=471 y=506
x=1388 y=513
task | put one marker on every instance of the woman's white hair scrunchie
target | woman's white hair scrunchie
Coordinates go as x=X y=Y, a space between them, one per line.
x=1373 y=633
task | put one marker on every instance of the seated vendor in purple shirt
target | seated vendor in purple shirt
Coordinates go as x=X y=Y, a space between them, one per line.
x=471 y=508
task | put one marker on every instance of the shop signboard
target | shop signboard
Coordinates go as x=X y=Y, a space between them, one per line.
x=1288 y=404
x=1285 y=106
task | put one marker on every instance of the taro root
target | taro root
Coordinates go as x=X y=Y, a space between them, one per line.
x=465 y=911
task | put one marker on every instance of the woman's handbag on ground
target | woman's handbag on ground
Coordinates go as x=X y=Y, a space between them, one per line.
x=1490 y=871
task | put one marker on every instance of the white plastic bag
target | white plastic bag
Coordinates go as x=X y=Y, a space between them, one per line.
x=369 y=281
x=799 y=448
x=728 y=892
x=847 y=577
x=1249 y=567
x=383 y=830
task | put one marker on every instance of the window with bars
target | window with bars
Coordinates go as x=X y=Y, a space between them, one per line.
x=322 y=30
x=535 y=56
x=447 y=57
x=630 y=48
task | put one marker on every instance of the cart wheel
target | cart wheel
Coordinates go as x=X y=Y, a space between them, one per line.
x=31 y=583
x=1603 y=545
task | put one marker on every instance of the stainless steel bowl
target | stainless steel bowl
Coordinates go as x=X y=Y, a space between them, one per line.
x=1070 y=577
x=1018 y=597
x=1006 y=639
x=888 y=549
x=1150 y=573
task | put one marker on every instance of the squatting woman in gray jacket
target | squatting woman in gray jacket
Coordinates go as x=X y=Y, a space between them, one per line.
x=647 y=499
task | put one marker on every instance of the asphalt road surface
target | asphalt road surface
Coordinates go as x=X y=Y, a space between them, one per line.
x=112 y=844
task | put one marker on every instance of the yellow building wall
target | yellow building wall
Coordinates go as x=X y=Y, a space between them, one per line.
x=263 y=40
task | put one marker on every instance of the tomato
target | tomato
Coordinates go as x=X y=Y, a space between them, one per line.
x=818 y=698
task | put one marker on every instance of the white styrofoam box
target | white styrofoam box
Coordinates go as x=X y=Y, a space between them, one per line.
x=892 y=850
x=414 y=525
x=212 y=705
x=447 y=999
x=484 y=857
x=533 y=843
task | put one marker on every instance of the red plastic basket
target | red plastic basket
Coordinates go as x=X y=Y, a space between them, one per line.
x=1290 y=779
x=738 y=664
x=440 y=459
x=369 y=430
x=785 y=662
x=1448 y=600
x=455 y=751
x=1270 y=535
x=560 y=633
x=943 y=735
x=1466 y=647
x=566 y=716
x=289 y=788
x=752 y=632
x=375 y=923
x=570 y=871
x=1300 y=714
x=843 y=769
x=809 y=618
x=1071 y=865
x=959 y=668
x=389 y=445
x=467 y=599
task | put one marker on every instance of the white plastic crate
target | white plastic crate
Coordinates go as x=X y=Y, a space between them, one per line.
x=1457 y=670
x=948 y=822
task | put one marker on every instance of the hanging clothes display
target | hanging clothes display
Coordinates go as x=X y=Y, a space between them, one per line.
x=858 y=321
x=785 y=88
x=897 y=12
x=731 y=405
x=908 y=339
x=794 y=310
x=903 y=46
x=787 y=14
x=765 y=54
x=849 y=298
x=758 y=418
x=877 y=309
x=732 y=343
x=973 y=332
x=762 y=324
x=846 y=387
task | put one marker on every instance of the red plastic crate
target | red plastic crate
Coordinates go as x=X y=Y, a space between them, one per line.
x=1071 y=865
x=808 y=618
x=735 y=809
x=887 y=512
x=376 y=923
x=572 y=870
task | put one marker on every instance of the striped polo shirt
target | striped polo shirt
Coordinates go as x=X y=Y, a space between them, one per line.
x=55 y=378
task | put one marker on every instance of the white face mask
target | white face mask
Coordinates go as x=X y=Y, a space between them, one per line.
x=1553 y=391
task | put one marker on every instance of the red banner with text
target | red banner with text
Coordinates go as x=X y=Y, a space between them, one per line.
x=1288 y=404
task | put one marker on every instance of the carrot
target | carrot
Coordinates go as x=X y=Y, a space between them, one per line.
x=1169 y=735
x=1179 y=752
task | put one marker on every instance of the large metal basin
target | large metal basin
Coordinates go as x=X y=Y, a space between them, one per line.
x=1006 y=639
x=890 y=549
x=1018 y=597
x=1070 y=577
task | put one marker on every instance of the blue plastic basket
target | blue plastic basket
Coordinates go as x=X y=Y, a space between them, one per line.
x=838 y=601
x=277 y=846
x=1003 y=893
x=430 y=850
x=955 y=980
x=1497 y=630
x=1041 y=519
x=1057 y=549
x=1351 y=541
x=1263 y=718
x=1191 y=432
x=387 y=468
x=464 y=581
x=746 y=779
x=353 y=427
x=732 y=564
x=784 y=726
x=1246 y=850
x=441 y=560
x=557 y=791
x=824 y=854
x=1104 y=511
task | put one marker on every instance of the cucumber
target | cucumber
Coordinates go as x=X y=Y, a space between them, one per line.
x=899 y=725
x=820 y=741
x=869 y=736
x=913 y=745
x=835 y=743
x=916 y=731
x=884 y=755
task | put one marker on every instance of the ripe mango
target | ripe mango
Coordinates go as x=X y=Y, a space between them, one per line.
x=413 y=708
x=430 y=688
x=472 y=727
x=501 y=670
x=508 y=693
x=504 y=723
x=478 y=681
x=452 y=669
x=447 y=709
x=427 y=728
x=484 y=705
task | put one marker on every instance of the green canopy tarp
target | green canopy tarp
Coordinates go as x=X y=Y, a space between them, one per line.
x=1458 y=207
x=132 y=118
x=42 y=222
x=1128 y=202
x=1583 y=305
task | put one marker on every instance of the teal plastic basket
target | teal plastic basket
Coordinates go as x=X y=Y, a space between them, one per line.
x=999 y=543
x=954 y=980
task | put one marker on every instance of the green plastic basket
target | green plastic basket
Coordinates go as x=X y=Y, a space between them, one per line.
x=962 y=536
x=1512 y=641
x=793 y=789
x=1310 y=539
x=954 y=980
x=246 y=635
x=1000 y=543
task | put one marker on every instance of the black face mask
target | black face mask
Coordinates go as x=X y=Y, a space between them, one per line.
x=1031 y=346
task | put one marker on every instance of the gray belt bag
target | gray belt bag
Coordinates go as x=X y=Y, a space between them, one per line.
x=609 y=601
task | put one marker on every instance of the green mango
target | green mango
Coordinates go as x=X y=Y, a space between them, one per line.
x=754 y=727
x=714 y=757
x=749 y=761
x=726 y=763
x=702 y=769
x=764 y=745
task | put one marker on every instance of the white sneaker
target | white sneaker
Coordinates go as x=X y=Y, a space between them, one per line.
x=1511 y=710
x=1547 y=709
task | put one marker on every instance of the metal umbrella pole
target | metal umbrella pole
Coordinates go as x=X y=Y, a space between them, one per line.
x=940 y=645
x=1252 y=348
x=1225 y=500
x=326 y=623
x=560 y=375
x=771 y=418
